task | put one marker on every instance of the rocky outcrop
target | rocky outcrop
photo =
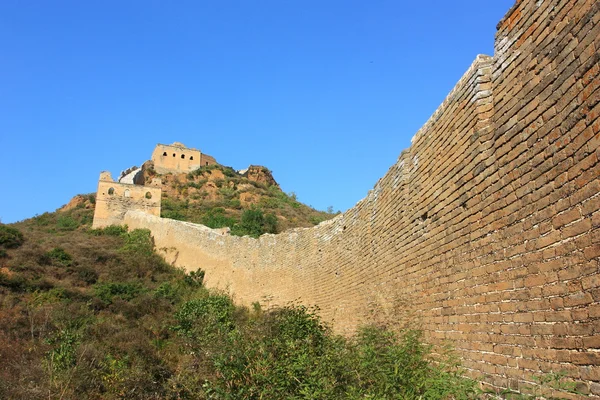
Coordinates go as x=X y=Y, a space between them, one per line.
x=260 y=174
x=79 y=201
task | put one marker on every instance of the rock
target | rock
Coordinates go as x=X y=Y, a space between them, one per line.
x=78 y=201
x=260 y=174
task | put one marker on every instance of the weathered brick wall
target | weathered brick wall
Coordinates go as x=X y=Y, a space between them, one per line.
x=205 y=159
x=485 y=230
x=114 y=199
x=175 y=158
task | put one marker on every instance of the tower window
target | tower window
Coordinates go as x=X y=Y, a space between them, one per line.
x=165 y=153
x=191 y=157
x=173 y=154
x=183 y=156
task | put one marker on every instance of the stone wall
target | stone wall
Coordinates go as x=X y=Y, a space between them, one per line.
x=205 y=160
x=485 y=230
x=177 y=158
x=114 y=199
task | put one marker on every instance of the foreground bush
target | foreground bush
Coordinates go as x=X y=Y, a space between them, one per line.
x=289 y=353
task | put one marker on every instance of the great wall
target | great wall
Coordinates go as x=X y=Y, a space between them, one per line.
x=485 y=231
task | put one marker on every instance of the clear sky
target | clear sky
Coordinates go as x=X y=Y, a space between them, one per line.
x=325 y=93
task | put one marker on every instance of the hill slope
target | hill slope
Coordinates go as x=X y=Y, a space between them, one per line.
x=96 y=314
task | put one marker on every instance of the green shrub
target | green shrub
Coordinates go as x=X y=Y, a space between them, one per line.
x=316 y=219
x=177 y=215
x=87 y=275
x=112 y=230
x=138 y=242
x=10 y=237
x=227 y=192
x=197 y=185
x=169 y=291
x=206 y=318
x=59 y=257
x=62 y=356
x=216 y=218
x=67 y=223
x=173 y=210
x=107 y=292
x=195 y=278
x=229 y=172
x=235 y=203
x=254 y=223
x=45 y=219
x=15 y=281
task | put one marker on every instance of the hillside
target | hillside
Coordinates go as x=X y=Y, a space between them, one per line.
x=96 y=314
x=217 y=196
x=248 y=203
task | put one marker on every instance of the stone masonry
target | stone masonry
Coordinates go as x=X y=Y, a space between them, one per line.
x=114 y=199
x=176 y=158
x=485 y=231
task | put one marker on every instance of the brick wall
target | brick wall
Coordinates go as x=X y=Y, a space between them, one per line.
x=486 y=229
x=205 y=159
x=114 y=199
x=175 y=158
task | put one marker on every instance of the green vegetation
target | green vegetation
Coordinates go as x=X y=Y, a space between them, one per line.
x=218 y=197
x=88 y=314
x=10 y=237
x=254 y=223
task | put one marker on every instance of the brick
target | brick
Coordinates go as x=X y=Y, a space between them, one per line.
x=577 y=228
x=592 y=251
x=590 y=281
x=578 y=299
x=585 y=358
x=565 y=218
x=558 y=316
x=594 y=311
x=592 y=342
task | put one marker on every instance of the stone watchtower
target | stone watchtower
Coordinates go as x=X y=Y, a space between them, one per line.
x=114 y=199
x=177 y=158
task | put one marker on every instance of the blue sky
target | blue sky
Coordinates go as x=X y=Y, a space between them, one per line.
x=325 y=93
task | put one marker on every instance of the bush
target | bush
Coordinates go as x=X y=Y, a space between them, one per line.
x=254 y=223
x=139 y=242
x=67 y=223
x=10 y=237
x=108 y=292
x=87 y=275
x=216 y=218
x=112 y=230
x=59 y=257
x=204 y=319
